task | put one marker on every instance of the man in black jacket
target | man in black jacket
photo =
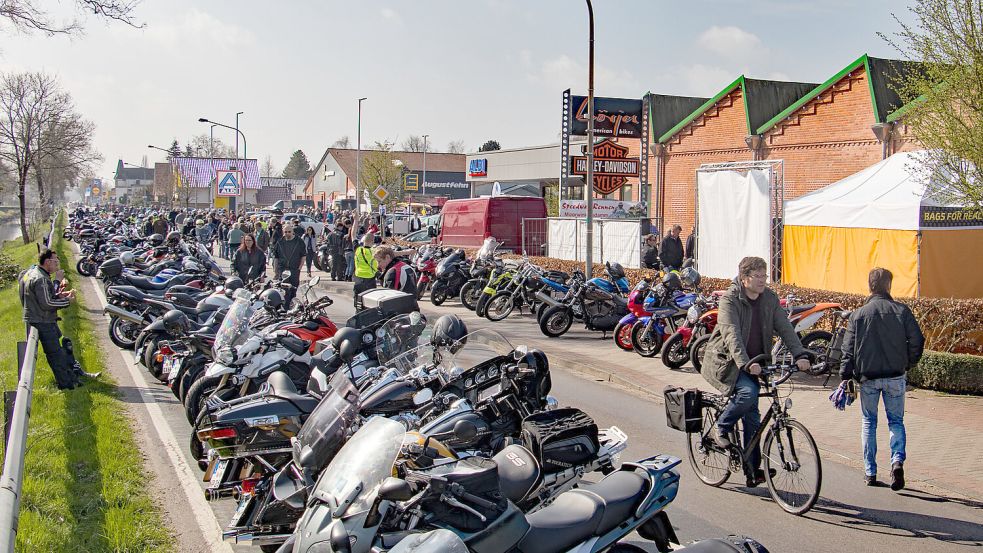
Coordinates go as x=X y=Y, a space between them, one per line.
x=671 y=250
x=650 y=253
x=881 y=343
x=290 y=253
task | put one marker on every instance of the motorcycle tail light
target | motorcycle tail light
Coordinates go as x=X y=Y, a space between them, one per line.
x=249 y=485
x=166 y=350
x=217 y=434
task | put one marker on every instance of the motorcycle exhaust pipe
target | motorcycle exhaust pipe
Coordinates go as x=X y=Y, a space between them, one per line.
x=123 y=314
x=548 y=300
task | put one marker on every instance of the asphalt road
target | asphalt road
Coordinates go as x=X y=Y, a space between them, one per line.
x=848 y=516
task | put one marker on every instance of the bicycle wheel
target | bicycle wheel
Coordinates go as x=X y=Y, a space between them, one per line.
x=709 y=462
x=790 y=450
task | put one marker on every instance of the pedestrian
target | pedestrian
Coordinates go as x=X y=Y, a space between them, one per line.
x=310 y=242
x=881 y=343
x=262 y=236
x=223 y=239
x=248 y=261
x=160 y=226
x=348 y=246
x=41 y=298
x=336 y=243
x=235 y=237
x=691 y=245
x=749 y=316
x=289 y=253
x=365 y=266
x=398 y=275
x=650 y=253
x=671 y=249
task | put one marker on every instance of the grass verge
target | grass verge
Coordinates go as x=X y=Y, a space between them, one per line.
x=84 y=482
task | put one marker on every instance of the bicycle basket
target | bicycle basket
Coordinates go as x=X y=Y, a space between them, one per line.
x=684 y=409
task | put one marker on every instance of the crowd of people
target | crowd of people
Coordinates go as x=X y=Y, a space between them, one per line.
x=670 y=252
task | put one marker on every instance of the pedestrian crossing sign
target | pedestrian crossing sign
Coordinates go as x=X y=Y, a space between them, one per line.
x=228 y=183
x=411 y=182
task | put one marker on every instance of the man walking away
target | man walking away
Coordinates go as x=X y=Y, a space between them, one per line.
x=336 y=242
x=42 y=298
x=289 y=253
x=881 y=343
x=671 y=249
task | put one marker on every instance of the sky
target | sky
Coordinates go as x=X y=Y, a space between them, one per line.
x=468 y=70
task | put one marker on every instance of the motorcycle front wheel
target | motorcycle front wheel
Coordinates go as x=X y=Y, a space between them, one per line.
x=438 y=294
x=622 y=336
x=675 y=352
x=696 y=349
x=556 y=321
x=123 y=333
x=645 y=343
x=500 y=306
x=481 y=308
x=471 y=293
x=86 y=268
x=422 y=289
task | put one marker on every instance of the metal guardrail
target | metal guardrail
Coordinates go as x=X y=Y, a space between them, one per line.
x=13 y=463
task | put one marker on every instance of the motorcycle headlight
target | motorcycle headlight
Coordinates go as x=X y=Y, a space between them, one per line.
x=692 y=315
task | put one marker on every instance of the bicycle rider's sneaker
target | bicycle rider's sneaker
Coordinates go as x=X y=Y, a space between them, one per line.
x=759 y=478
x=720 y=438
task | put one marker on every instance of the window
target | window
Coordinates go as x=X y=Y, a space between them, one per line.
x=626 y=191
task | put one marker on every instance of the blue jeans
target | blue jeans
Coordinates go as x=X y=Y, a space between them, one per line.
x=350 y=264
x=892 y=390
x=743 y=406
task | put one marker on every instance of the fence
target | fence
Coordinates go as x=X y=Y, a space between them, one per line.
x=565 y=238
x=13 y=462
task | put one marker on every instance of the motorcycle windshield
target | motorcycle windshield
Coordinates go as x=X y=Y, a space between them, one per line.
x=323 y=434
x=437 y=541
x=363 y=463
x=475 y=348
x=235 y=325
x=399 y=336
x=447 y=263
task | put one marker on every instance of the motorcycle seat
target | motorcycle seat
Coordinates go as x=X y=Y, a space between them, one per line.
x=578 y=514
x=282 y=387
x=146 y=284
x=800 y=308
x=136 y=293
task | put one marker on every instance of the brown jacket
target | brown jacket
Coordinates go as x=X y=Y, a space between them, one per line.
x=725 y=353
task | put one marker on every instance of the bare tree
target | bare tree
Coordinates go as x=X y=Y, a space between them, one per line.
x=343 y=142
x=414 y=143
x=40 y=132
x=26 y=17
x=210 y=147
x=268 y=169
x=456 y=147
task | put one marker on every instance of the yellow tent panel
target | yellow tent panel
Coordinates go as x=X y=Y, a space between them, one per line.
x=952 y=263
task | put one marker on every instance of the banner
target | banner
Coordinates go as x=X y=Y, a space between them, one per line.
x=604 y=209
x=931 y=216
x=612 y=166
x=614 y=117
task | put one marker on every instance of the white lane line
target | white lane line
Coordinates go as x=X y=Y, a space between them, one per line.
x=188 y=478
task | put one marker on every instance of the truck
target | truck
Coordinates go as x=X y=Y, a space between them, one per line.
x=467 y=222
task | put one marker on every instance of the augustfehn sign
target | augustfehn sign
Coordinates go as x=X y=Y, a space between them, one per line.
x=612 y=166
x=614 y=117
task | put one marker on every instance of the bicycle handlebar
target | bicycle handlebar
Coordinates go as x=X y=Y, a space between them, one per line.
x=767 y=368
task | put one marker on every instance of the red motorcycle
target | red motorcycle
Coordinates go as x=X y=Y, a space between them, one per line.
x=636 y=310
x=425 y=265
x=701 y=318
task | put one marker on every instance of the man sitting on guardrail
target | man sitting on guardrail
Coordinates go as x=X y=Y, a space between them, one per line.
x=42 y=297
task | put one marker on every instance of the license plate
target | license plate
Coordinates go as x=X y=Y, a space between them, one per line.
x=171 y=366
x=215 y=477
x=241 y=510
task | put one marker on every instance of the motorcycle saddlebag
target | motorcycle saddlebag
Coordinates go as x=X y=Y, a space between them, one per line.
x=111 y=268
x=684 y=409
x=561 y=438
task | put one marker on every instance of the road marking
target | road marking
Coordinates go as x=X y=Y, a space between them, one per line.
x=202 y=512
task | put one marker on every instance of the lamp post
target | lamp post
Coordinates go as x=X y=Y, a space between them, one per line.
x=238 y=113
x=166 y=151
x=358 y=156
x=589 y=257
x=425 y=137
x=245 y=149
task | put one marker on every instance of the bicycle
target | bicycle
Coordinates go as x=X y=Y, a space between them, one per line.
x=789 y=453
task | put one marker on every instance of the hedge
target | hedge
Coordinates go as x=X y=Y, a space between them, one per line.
x=948 y=372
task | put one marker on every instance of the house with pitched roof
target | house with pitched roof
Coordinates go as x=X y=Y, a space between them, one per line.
x=194 y=181
x=132 y=184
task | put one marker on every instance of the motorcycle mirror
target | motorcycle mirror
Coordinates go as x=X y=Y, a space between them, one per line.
x=395 y=489
x=423 y=396
x=286 y=275
x=465 y=430
x=520 y=352
x=315 y=280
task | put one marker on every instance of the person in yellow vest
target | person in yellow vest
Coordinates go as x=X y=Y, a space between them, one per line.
x=366 y=266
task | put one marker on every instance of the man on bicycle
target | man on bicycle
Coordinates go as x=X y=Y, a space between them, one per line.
x=749 y=316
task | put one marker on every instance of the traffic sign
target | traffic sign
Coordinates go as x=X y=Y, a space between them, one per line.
x=381 y=194
x=228 y=183
x=95 y=190
x=411 y=182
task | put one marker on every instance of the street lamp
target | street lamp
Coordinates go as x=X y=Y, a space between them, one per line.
x=168 y=152
x=245 y=148
x=425 y=137
x=358 y=154
x=589 y=257
x=238 y=113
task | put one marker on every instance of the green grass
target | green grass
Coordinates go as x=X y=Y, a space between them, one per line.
x=84 y=481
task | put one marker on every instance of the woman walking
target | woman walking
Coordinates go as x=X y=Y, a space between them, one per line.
x=249 y=262
x=310 y=241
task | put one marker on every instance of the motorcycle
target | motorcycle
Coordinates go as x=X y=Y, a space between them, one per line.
x=597 y=302
x=636 y=310
x=676 y=349
x=667 y=306
x=481 y=269
x=450 y=275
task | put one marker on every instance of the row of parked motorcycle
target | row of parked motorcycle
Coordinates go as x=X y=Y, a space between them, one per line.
x=389 y=433
x=664 y=313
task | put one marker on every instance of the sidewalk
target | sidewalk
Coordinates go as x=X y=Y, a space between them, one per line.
x=944 y=432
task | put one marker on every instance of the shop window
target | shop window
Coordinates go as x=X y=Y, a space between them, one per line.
x=625 y=193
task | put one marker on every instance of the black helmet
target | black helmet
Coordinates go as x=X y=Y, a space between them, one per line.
x=690 y=277
x=232 y=284
x=173 y=237
x=156 y=239
x=672 y=282
x=175 y=322
x=347 y=342
x=449 y=332
x=272 y=298
x=615 y=270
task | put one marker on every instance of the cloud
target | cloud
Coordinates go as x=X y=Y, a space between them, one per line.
x=197 y=27
x=705 y=80
x=390 y=14
x=731 y=42
x=565 y=72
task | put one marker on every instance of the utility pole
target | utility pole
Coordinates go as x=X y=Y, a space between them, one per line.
x=425 y=137
x=358 y=157
x=589 y=185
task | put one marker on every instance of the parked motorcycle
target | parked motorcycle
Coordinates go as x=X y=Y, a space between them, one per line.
x=597 y=302
x=450 y=275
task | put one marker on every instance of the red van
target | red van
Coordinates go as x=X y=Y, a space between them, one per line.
x=467 y=222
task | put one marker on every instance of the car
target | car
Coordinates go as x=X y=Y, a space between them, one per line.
x=421 y=236
x=305 y=221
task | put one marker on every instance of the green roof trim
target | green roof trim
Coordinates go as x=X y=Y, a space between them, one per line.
x=814 y=93
x=738 y=82
x=899 y=113
x=870 y=85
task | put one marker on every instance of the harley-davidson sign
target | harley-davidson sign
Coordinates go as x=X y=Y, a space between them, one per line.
x=612 y=166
